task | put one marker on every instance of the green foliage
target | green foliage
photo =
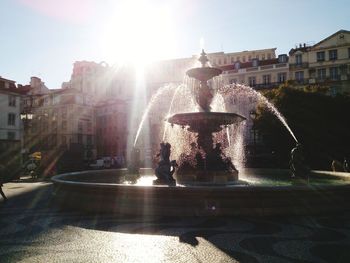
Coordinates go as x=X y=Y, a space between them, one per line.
x=320 y=122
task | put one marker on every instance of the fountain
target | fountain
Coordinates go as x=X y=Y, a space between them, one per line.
x=210 y=164
x=206 y=178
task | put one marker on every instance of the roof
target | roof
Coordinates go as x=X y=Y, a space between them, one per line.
x=250 y=64
x=327 y=38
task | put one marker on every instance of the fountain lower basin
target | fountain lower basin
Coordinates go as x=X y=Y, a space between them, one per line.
x=107 y=191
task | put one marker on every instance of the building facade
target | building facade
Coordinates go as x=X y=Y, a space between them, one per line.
x=10 y=123
x=326 y=63
x=111 y=128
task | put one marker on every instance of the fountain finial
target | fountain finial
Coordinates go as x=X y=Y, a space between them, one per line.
x=203 y=59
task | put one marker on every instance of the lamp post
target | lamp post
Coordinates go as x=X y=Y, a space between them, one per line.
x=253 y=116
x=25 y=117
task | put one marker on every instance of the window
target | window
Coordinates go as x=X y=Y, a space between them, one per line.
x=281 y=77
x=64 y=139
x=252 y=81
x=320 y=56
x=46 y=101
x=11 y=135
x=11 y=119
x=45 y=125
x=255 y=62
x=266 y=79
x=237 y=65
x=64 y=113
x=34 y=127
x=89 y=139
x=233 y=59
x=80 y=127
x=298 y=59
x=64 y=125
x=299 y=76
x=249 y=58
x=269 y=56
x=12 y=101
x=282 y=58
x=80 y=138
x=54 y=126
x=225 y=61
x=263 y=57
x=321 y=73
x=89 y=126
x=56 y=99
x=219 y=61
x=333 y=54
x=333 y=73
x=243 y=59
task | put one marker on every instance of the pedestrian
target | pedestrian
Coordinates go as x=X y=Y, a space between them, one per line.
x=345 y=165
x=2 y=179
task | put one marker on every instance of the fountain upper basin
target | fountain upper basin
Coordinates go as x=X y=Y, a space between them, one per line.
x=203 y=73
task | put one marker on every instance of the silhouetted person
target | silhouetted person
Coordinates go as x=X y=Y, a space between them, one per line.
x=336 y=166
x=345 y=165
x=2 y=178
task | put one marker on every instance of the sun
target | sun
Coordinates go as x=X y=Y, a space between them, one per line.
x=139 y=33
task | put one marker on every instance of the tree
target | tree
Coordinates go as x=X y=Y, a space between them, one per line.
x=320 y=122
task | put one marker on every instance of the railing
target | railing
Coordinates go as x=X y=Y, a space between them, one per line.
x=271 y=85
x=299 y=65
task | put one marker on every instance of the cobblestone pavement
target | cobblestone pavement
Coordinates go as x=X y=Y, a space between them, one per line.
x=33 y=229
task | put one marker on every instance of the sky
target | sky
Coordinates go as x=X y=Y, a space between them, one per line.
x=45 y=37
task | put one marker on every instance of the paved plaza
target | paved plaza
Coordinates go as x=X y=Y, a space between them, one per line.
x=34 y=229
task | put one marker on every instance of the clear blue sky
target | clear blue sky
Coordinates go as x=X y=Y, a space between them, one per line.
x=45 y=37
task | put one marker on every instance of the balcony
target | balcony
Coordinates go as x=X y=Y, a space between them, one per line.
x=271 y=85
x=298 y=65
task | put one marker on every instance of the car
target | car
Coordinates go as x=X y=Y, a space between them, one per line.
x=97 y=164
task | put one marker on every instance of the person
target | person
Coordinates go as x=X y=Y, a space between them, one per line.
x=345 y=165
x=31 y=168
x=2 y=178
x=336 y=166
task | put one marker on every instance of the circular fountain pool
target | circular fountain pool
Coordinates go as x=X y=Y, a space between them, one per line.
x=261 y=192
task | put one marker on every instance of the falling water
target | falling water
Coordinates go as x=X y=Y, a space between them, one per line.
x=234 y=90
x=158 y=95
x=166 y=125
x=179 y=137
x=231 y=137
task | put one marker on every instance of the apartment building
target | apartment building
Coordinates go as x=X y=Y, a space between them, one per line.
x=10 y=122
x=326 y=63
x=111 y=128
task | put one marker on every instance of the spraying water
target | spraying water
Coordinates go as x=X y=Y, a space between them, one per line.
x=169 y=111
x=158 y=95
x=236 y=90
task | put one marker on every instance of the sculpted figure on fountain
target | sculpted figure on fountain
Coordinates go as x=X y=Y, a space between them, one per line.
x=166 y=168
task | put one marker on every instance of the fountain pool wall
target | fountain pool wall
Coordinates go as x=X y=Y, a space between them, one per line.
x=103 y=191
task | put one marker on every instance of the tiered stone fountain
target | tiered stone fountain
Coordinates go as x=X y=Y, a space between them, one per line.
x=267 y=192
x=211 y=164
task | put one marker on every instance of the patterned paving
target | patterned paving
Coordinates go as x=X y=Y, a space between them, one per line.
x=32 y=229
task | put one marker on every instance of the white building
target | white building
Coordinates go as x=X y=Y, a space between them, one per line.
x=10 y=123
x=10 y=101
